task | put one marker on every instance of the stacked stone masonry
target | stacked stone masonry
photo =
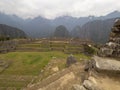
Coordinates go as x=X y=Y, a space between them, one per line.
x=112 y=48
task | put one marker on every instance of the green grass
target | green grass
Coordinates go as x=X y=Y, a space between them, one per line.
x=31 y=63
x=28 y=63
x=30 y=45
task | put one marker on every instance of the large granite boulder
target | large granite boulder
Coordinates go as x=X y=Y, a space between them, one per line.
x=88 y=84
x=106 y=65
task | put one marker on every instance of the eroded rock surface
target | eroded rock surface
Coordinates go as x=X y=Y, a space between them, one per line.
x=107 y=65
x=70 y=60
x=78 y=87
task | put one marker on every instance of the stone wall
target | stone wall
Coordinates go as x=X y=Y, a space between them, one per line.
x=112 y=48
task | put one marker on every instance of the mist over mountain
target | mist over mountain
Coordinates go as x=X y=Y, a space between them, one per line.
x=42 y=27
x=11 y=20
x=97 y=30
x=111 y=15
x=38 y=27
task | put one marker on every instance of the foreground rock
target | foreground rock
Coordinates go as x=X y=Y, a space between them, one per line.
x=107 y=65
x=70 y=60
x=78 y=87
x=89 y=84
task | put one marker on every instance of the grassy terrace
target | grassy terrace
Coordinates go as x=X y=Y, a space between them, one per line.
x=26 y=65
x=31 y=63
x=42 y=46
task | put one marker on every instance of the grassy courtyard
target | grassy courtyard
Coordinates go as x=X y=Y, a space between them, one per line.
x=29 y=60
x=31 y=63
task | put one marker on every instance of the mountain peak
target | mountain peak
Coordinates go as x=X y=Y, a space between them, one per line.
x=113 y=14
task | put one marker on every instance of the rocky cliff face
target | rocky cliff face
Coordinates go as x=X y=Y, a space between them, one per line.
x=112 y=48
x=11 y=32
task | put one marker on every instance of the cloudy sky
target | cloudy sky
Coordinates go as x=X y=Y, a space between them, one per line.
x=55 y=8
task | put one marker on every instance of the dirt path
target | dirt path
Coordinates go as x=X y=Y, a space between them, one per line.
x=62 y=80
x=109 y=83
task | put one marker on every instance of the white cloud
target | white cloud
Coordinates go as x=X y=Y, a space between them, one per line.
x=54 y=8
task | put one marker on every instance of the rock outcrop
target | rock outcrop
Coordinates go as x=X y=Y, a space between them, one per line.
x=70 y=60
x=89 y=84
x=112 y=48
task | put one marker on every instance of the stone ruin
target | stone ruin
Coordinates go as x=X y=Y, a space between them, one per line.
x=112 y=48
x=107 y=63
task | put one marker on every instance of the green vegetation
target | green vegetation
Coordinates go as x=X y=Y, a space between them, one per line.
x=31 y=63
x=36 y=58
x=61 y=31
x=14 y=82
x=89 y=50
x=52 y=46
x=4 y=38
x=27 y=63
